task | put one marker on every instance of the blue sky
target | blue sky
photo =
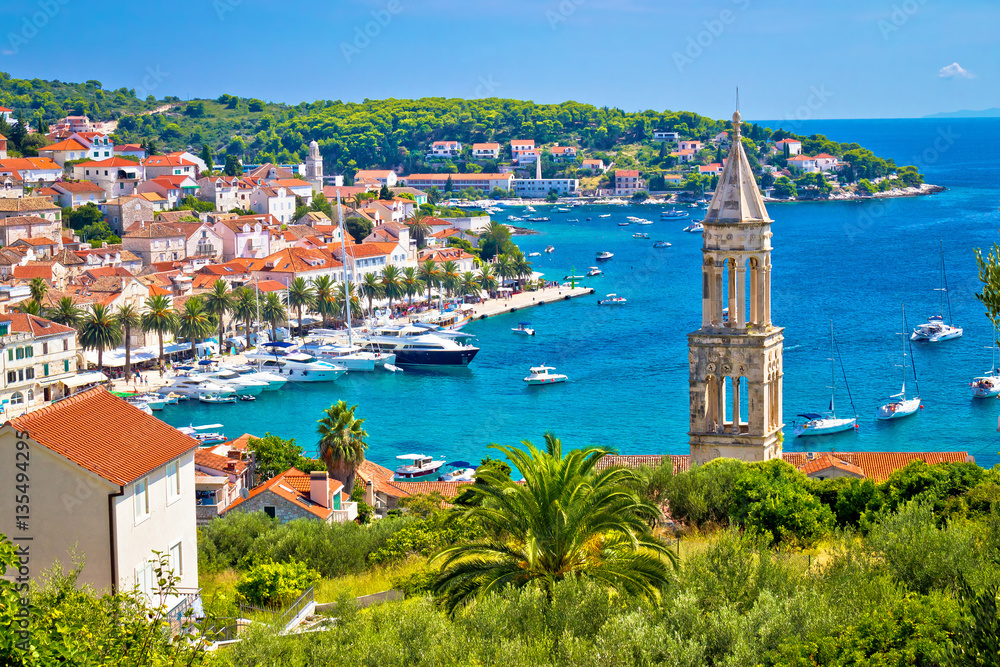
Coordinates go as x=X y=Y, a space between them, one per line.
x=843 y=59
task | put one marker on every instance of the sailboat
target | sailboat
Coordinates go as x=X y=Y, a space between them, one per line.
x=988 y=386
x=935 y=329
x=823 y=424
x=902 y=406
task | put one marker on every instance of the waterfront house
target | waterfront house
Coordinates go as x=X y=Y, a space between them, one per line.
x=627 y=182
x=489 y=150
x=445 y=149
x=826 y=162
x=33 y=171
x=116 y=175
x=803 y=163
x=38 y=358
x=110 y=484
x=77 y=193
x=439 y=256
x=380 y=177
x=370 y=257
x=794 y=146
x=540 y=187
x=286 y=265
x=298 y=495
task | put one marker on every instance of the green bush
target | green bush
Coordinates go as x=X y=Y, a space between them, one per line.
x=275 y=584
x=423 y=536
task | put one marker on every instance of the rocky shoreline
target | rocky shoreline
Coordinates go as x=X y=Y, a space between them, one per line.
x=923 y=189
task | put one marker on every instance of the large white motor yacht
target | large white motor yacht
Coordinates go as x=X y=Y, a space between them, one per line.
x=244 y=385
x=417 y=346
x=195 y=387
x=297 y=366
x=274 y=381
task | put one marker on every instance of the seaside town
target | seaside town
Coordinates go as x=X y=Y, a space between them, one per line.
x=262 y=364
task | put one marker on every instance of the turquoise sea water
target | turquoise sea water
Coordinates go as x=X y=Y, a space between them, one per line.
x=853 y=263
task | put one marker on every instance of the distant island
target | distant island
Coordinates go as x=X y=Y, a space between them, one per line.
x=966 y=113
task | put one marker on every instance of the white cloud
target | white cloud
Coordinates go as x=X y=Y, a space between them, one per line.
x=955 y=70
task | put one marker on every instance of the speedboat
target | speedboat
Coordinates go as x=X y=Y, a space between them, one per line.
x=640 y=235
x=418 y=346
x=612 y=300
x=534 y=254
x=817 y=424
x=550 y=249
x=594 y=271
x=623 y=224
x=523 y=329
x=530 y=209
x=644 y=222
x=561 y=210
x=154 y=401
x=661 y=244
x=674 y=214
x=540 y=218
x=352 y=357
x=604 y=256
x=248 y=398
x=541 y=375
x=273 y=381
x=604 y=215
x=195 y=386
x=695 y=228
x=514 y=218
x=205 y=438
x=935 y=330
x=217 y=398
x=297 y=366
x=459 y=475
x=418 y=466
x=136 y=402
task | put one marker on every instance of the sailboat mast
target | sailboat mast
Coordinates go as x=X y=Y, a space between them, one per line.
x=944 y=286
x=347 y=278
x=833 y=376
x=903 y=334
x=909 y=344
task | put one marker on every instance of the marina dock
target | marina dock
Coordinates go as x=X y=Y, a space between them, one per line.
x=516 y=302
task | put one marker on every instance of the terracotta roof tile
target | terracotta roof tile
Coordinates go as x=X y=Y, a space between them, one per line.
x=35 y=325
x=287 y=485
x=106 y=435
x=825 y=462
x=8 y=205
x=446 y=489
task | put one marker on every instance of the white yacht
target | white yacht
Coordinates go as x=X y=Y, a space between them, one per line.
x=274 y=382
x=418 y=466
x=901 y=406
x=695 y=228
x=604 y=256
x=202 y=435
x=459 y=475
x=417 y=346
x=194 y=387
x=986 y=386
x=541 y=375
x=297 y=366
x=523 y=329
x=154 y=401
x=612 y=300
x=935 y=329
x=245 y=385
x=593 y=271
x=817 y=424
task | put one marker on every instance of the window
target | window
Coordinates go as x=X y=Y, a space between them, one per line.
x=140 y=493
x=17 y=398
x=66 y=365
x=176 y=564
x=145 y=578
x=173 y=480
x=269 y=510
x=45 y=348
x=11 y=377
x=19 y=353
x=45 y=370
x=10 y=354
x=29 y=374
x=65 y=344
x=31 y=395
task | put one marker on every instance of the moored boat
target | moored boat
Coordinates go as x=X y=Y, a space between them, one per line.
x=541 y=375
x=901 y=406
x=661 y=244
x=604 y=256
x=418 y=466
x=612 y=300
x=935 y=330
x=823 y=424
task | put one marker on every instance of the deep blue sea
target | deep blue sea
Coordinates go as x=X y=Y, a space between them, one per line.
x=853 y=263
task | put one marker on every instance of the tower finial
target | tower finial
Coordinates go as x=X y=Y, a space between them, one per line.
x=736 y=116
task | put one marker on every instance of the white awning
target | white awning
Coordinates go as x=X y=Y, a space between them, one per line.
x=81 y=379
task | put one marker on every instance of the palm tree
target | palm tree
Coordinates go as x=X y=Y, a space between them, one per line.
x=521 y=266
x=30 y=307
x=194 y=322
x=419 y=229
x=300 y=295
x=159 y=317
x=100 y=331
x=428 y=274
x=128 y=319
x=359 y=199
x=65 y=312
x=273 y=311
x=326 y=301
x=566 y=520
x=468 y=285
x=411 y=283
x=449 y=276
x=342 y=443
x=505 y=267
x=371 y=288
x=392 y=283
x=218 y=302
x=340 y=297
x=488 y=279
x=245 y=308
x=38 y=288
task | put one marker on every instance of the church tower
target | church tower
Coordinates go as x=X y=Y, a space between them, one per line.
x=735 y=357
x=314 y=167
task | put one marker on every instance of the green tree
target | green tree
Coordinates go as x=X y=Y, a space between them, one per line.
x=233 y=166
x=359 y=228
x=325 y=297
x=273 y=312
x=246 y=305
x=206 y=157
x=219 y=302
x=343 y=295
x=784 y=188
x=129 y=320
x=566 y=520
x=488 y=280
x=385 y=193
x=371 y=288
x=273 y=585
x=38 y=288
x=82 y=217
x=342 y=443
x=419 y=229
x=429 y=274
x=391 y=281
x=100 y=331
x=468 y=284
x=274 y=455
x=194 y=322
x=65 y=312
x=30 y=307
x=450 y=276
x=410 y=282
x=300 y=295
x=160 y=319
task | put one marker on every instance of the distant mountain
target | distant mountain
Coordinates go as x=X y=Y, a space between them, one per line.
x=985 y=113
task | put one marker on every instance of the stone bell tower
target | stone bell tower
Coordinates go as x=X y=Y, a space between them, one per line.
x=314 y=167
x=735 y=357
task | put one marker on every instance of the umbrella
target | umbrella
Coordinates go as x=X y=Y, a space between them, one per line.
x=205 y=362
x=278 y=344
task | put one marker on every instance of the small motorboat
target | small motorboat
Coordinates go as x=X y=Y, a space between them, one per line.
x=418 y=466
x=640 y=235
x=588 y=219
x=217 y=398
x=550 y=249
x=661 y=244
x=561 y=210
x=248 y=398
x=623 y=224
x=459 y=475
x=605 y=215
x=530 y=209
x=205 y=438
x=514 y=218
x=538 y=219
x=612 y=300
x=523 y=329
x=644 y=222
x=594 y=271
x=534 y=254
x=604 y=256
x=695 y=228
x=572 y=219
x=541 y=375
x=674 y=214
x=154 y=401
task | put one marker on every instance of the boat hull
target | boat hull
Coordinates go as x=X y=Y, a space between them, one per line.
x=898 y=409
x=435 y=357
x=824 y=427
x=414 y=474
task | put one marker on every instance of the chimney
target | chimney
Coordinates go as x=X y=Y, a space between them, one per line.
x=319 y=488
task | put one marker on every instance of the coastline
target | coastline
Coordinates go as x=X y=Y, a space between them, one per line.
x=921 y=190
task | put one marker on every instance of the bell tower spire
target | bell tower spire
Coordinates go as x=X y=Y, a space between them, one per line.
x=735 y=366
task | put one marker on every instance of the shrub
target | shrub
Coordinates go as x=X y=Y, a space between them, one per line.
x=701 y=496
x=225 y=542
x=275 y=584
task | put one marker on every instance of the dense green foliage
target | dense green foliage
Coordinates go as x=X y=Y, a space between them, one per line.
x=274 y=455
x=275 y=584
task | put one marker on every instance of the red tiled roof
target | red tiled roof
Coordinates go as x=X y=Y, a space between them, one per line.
x=166 y=161
x=292 y=485
x=626 y=173
x=241 y=442
x=35 y=325
x=270 y=286
x=489 y=145
x=105 y=435
x=294 y=260
x=67 y=145
x=825 y=462
x=32 y=271
x=208 y=459
x=81 y=186
x=446 y=489
x=29 y=164
x=110 y=162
